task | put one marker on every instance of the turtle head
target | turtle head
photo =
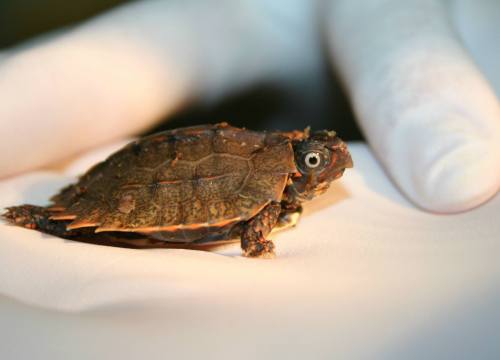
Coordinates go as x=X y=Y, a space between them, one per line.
x=320 y=158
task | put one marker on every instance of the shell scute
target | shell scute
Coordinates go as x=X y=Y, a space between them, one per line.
x=193 y=147
x=194 y=212
x=171 y=214
x=280 y=163
x=220 y=209
x=174 y=192
x=237 y=141
x=176 y=171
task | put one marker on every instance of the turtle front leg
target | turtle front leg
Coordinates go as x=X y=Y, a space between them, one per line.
x=255 y=231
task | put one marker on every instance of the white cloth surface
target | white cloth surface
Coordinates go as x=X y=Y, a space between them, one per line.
x=364 y=275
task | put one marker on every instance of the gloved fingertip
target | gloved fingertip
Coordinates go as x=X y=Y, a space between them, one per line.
x=459 y=178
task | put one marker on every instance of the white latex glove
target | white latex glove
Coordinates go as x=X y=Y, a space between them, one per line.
x=428 y=112
x=425 y=108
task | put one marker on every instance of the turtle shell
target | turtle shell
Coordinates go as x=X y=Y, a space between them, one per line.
x=188 y=178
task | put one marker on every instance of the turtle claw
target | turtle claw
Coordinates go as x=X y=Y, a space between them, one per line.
x=262 y=250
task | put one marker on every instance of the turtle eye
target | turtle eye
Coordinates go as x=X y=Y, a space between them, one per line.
x=312 y=159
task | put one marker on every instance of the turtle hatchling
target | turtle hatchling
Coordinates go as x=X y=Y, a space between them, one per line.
x=194 y=187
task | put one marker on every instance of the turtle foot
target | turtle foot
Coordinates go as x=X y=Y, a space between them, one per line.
x=262 y=250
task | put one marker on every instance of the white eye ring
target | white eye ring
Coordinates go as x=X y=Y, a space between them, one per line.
x=312 y=160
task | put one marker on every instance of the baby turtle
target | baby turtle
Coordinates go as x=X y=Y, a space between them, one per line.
x=192 y=187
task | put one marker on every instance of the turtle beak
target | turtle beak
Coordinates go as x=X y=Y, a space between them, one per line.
x=344 y=159
x=342 y=156
x=348 y=161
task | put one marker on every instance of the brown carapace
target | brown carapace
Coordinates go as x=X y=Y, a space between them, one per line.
x=194 y=187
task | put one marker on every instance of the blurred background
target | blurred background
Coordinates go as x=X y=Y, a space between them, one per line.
x=320 y=104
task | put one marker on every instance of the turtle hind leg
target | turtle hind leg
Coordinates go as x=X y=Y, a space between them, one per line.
x=255 y=231
x=36 y=218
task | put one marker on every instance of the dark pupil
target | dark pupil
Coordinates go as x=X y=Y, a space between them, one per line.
x=313 y=160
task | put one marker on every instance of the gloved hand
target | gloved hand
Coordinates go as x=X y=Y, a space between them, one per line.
x=427 y=111
x=429 y=114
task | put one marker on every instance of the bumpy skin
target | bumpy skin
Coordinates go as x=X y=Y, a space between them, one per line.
x=191 y=186
x=254 y=234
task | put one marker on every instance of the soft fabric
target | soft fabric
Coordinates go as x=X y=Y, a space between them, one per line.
x=365 y=274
